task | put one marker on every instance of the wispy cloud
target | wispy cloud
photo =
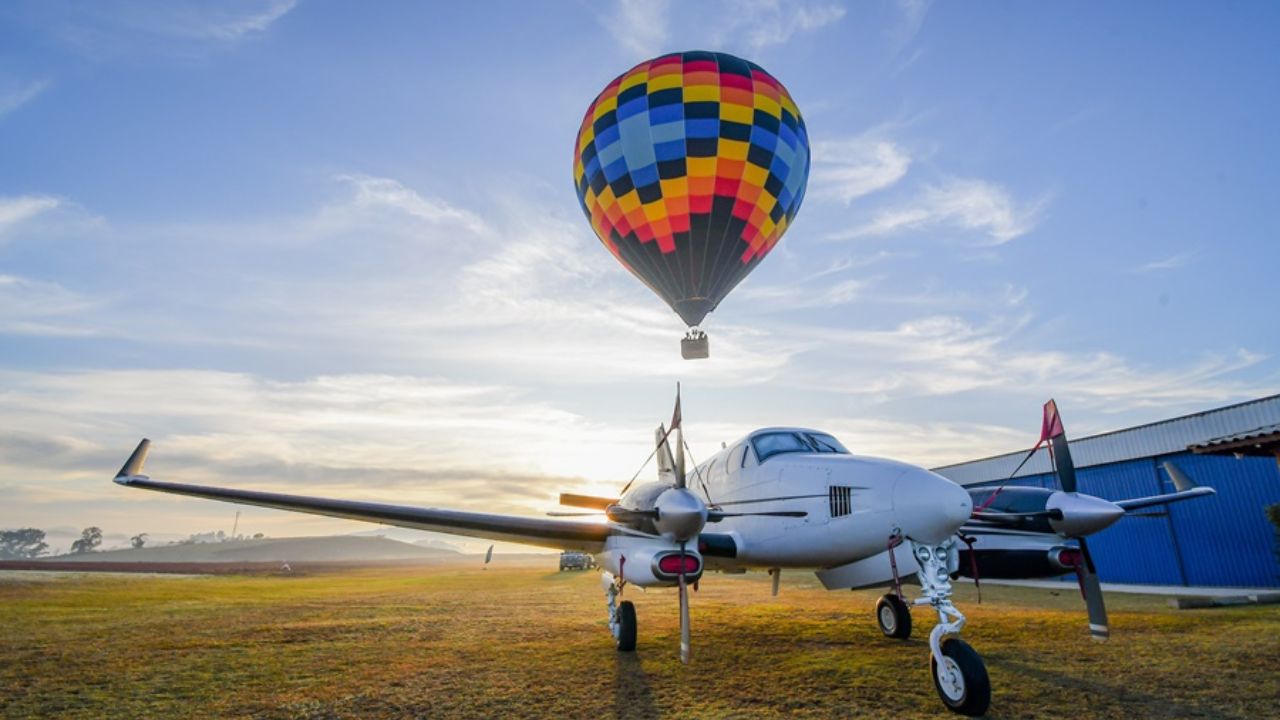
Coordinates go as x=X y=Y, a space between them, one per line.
x=385 y=193
x=395 y=438
x=639 y=25
x=762 y=23
x=18 y=209
x=945 y=355
x=846 y=170
x=230 y=25
x=1172 y=262
x=648 y=27
x=913 y=14
x=14 y=95
x=32 y=307
x=966 y=204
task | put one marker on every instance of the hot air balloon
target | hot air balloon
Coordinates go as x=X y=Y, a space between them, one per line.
x=690 y=167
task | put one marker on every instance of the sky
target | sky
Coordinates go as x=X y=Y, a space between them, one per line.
x=334 y=248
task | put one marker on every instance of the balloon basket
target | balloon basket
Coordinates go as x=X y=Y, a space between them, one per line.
x=694 y=346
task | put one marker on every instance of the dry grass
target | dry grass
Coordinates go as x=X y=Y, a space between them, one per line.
x=454 y=641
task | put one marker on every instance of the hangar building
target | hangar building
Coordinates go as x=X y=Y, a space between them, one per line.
x=1224 y=540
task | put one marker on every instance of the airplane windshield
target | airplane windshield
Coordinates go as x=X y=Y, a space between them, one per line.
x=776 y=443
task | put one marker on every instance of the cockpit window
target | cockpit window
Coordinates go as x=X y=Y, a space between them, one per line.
x=776 y=443
x=825 y=443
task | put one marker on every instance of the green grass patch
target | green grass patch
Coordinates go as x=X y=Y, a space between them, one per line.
x=455 y=641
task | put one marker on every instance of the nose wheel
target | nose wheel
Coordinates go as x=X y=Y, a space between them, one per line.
x=959 y=675
x=961 y=679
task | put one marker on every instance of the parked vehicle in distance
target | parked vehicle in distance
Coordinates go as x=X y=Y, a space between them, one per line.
x=571 y=560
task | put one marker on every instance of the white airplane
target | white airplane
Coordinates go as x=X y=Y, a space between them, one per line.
x=778 y=498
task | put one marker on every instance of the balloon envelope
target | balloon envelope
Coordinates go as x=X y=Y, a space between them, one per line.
x=690 y=168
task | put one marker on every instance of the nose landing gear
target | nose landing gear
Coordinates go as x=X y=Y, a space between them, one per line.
x=959 y=675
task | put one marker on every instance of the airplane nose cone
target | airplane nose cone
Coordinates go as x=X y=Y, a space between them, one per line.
x=681 y=514
x=929 y=507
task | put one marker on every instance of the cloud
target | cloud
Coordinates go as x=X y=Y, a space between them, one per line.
x=944 y=355
x=845 y=170
x=30 y=307
x=913 y=14
x=255 y=17
x=1172 y=262
x=639 y=25
x=393 y=438
x=15 y=210
x=377 y=193
x=965 y=204
x=14 y=95
x=648 y=27
x=762 y=23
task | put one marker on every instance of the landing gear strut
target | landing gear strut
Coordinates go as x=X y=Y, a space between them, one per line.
x=959 y=674
x=622 y=615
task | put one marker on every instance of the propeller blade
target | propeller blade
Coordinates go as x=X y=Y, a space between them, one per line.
x=620 y=514
x=590 y=502
x=1093 y=599
x=684 y=611
x=717 y=516
x=1052 y=431
x=676 y=426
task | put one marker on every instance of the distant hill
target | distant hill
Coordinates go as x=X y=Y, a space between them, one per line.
x=345 y=548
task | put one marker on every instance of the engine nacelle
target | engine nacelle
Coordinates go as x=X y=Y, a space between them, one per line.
x=647 y=566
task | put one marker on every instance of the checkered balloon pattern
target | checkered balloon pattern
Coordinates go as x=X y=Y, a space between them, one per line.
x=690 y=168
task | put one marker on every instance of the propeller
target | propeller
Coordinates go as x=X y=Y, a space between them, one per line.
x=684 y=610
x=1086 y=572
x=674 y=515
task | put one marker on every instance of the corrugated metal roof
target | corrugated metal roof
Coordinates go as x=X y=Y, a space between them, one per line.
x=1158 y=438
x=1254 y=434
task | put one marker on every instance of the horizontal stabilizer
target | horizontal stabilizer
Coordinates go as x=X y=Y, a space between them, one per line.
x=1187 y=489
x=590 y=502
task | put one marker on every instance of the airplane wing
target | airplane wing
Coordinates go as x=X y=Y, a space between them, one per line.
x=559 y=534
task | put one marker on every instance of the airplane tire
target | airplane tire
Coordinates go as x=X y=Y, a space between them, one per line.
x=966 y=689
x=626 y=626
x=893 y=617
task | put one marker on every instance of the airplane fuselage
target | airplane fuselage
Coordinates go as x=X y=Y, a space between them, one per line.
x=852 y=504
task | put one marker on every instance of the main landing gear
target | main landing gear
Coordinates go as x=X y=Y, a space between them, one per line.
x=959 y=675
x=622 y=615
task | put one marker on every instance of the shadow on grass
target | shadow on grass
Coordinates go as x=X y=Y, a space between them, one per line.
x=1155 y=706
x=632 y=696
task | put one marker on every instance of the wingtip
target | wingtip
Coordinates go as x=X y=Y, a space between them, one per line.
x=133 y=466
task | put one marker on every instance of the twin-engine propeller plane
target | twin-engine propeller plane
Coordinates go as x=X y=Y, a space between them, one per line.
x=778 y=498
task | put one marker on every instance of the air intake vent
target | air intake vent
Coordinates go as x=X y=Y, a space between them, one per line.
x=841 y=500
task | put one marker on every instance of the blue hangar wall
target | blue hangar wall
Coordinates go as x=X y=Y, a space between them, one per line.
x=1222 y=540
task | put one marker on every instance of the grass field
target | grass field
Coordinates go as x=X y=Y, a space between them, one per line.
x=452 y=640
